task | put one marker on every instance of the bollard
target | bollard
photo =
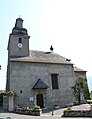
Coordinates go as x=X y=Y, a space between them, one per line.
x=52 y=113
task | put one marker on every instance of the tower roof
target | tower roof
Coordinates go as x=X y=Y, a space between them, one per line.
x=18 y=29
x=19 y=19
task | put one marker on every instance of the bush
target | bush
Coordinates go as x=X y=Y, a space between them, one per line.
x=10 y=93
x=89 y=101
x=69 y=108
x=36 y=107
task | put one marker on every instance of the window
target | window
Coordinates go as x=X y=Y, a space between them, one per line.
x=54 y=79
x=20 y=91
x=20 y=40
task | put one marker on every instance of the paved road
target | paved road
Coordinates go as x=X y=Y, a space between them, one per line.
x=17 y=116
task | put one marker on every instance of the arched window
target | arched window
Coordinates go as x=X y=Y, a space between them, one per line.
x=20 y=40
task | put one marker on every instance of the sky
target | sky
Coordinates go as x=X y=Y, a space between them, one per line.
x=64 y=24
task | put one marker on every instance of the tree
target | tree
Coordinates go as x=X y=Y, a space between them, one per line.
x=81 y=83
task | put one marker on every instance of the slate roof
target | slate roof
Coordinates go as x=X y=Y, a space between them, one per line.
x=78 y=69
x=43 y=57
x=40 y=85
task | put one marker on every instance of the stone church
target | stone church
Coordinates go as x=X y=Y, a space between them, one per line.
x=38 y=77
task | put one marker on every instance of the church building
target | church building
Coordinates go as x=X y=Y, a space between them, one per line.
x=37 y=77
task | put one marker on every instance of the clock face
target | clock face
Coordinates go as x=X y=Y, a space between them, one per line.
x=20 y=45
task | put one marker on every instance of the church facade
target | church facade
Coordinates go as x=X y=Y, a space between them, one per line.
x=38 y=78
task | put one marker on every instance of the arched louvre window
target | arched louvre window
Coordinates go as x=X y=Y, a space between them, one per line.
x=20 y=40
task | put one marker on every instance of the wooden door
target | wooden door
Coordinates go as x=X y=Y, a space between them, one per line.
x=40 y=102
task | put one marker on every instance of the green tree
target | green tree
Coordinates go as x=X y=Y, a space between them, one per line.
x=81 y=83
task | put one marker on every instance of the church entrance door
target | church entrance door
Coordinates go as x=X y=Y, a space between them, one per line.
x=40 y=102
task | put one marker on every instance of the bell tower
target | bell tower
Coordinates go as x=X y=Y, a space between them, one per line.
x=18 y=45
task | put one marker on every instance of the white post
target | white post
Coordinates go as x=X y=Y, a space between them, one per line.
x=82 y=99
x=11 y=104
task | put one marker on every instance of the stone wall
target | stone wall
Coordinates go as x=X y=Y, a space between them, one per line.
x=23 y=76
x=77 y=113
x=13 y=45
x=33 y=112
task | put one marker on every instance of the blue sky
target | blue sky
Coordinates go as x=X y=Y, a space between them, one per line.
x=65 y=24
